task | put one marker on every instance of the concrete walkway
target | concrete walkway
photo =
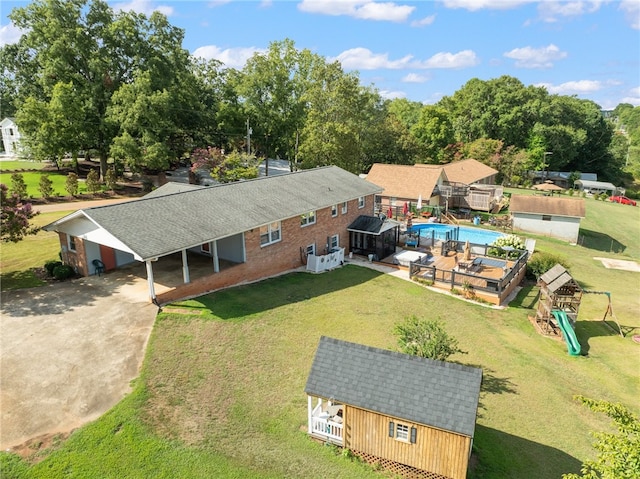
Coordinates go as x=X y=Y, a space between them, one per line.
x=68 y=352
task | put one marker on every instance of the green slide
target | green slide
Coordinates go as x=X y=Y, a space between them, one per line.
x=573 y=346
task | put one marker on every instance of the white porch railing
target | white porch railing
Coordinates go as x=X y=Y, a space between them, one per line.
x=323 y=426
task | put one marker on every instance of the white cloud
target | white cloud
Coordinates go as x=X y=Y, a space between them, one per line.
x=463 y=59
x=574 y=87
x=362 y=9
x=529 y=57
x=9 y=34
x=415 y=78
x=425 y=21
x=633 y=100
x=143 y=6
x=390 y=95
x=231 y=57
x=365 y=59
x=474 y=5
x=550 y=11
x=631 y=8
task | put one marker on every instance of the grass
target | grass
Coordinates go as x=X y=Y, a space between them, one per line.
x=19 y=165
x=32 y=180
x=17 y=260
x=222 y=392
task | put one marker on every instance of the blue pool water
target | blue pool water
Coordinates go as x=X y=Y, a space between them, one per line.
x=444 y=232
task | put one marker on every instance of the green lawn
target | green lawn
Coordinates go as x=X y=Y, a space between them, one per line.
x=18 y=165
x=221 y=392
x=32 y=180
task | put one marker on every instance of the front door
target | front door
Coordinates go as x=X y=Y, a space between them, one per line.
x=108 y=257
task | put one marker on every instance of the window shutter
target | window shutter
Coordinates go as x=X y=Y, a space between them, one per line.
x=414 y=433
x=392 y=429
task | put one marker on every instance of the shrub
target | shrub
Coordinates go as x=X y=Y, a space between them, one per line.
x=46 y=186
x=18 y=186
x=110 y=179
x=541 y=262
x=63 y=271
x=71 y=186
x=93 y=182
x=509 y=241
x=49 y=266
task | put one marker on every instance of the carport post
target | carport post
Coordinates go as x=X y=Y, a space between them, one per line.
x=152 y=292
x=185 y=267
x=216 y=263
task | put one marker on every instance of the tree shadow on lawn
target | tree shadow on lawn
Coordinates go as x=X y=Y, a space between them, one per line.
x=245 y=300
x=62 y=297
x=600 y=242
x=502 y=455
x=492 y=384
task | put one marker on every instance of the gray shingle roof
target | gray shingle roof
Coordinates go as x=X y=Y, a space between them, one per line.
x=434 y=393
x=154 y=226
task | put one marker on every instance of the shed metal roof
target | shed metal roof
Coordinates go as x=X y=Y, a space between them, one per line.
x=434 y=393
x=155 y=226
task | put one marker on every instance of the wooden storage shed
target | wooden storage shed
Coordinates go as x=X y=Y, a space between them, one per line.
x=558 y=292
x=411 y=415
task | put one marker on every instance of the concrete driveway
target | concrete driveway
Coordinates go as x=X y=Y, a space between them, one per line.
x=68 y=352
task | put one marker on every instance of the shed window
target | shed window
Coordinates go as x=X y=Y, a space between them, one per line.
x=270 y=234
x=72 y=243
x=546 y=217
x=402 y=432
x=308 y=218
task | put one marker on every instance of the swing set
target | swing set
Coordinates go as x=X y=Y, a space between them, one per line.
x=608 y=312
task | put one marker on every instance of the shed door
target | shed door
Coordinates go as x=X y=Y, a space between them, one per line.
x=108 y=257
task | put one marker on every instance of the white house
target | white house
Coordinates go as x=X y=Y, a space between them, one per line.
x=548 y=216
x=10 y=137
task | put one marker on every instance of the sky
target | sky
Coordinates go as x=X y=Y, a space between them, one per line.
x=424 y=50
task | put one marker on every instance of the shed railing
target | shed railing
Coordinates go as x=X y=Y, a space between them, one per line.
x=323 y=426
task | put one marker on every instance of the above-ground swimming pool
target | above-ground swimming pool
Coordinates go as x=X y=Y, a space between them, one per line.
x=451 y=232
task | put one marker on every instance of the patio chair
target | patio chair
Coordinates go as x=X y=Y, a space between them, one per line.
x=99 y=266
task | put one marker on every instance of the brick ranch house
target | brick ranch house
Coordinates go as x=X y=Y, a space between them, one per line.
x=244 y=231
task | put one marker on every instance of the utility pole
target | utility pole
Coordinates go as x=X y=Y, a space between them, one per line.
x=546 y=165
x=249 y=132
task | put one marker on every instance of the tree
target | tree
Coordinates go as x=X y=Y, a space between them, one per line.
x=84 y=44
x=434 y=132
x=14 y=216
x=18 y=186
x=46 y=186
x=425 y=338
x=619 y=452
x=225 y=168
x=93 y=181
x=71 y=184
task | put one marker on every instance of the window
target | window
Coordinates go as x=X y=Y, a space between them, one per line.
x=71 y=242
x=334 y=242
x=308 y=218
x=334 y=210
x=344 y=208
x=546 y=217
x=311 y=249
x=402 y=432
x=270 y=234
x=361 y=202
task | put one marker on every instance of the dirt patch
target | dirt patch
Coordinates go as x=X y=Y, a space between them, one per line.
x=624 y=265
x=38 y=448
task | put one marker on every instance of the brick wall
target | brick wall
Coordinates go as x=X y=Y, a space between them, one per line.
x=76 y=259
x=280 y=257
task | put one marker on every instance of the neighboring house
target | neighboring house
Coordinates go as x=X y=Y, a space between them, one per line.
x=249 y=230
x=411 y=415
x=406 y=183
x=597 y=187
x=460 y=184
x=10 y=137
x=470 y=172
x=548 y=216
